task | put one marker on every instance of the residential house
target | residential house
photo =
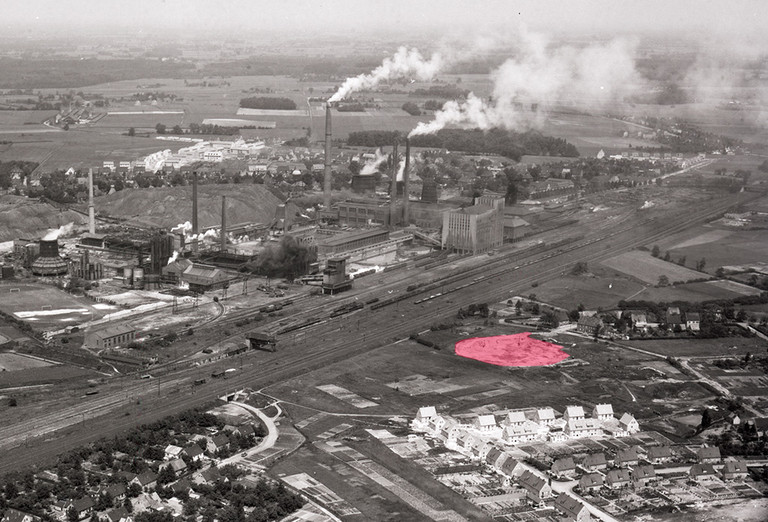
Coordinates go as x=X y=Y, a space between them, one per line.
x=643 y=475
x=761 y=425
x=119 y=515
x=708 y=454
x=735 y=470
x=515 y=418
x=83 y=506
x=617 y=478
x=172 y=452
x=146 y=480
x=451 y=430
x=217 y=442
x=639 y=320
x=589 y=325
x=627 y=457
x=693 y=321
x=181 y=486
x=629 y=423
x=512 y=467
x=14 y=515
x=495 y=458
x=545 y=416
x=615 y=429
x=485 y=423
x=579 y=428
x=571 y=509
x=177 y=465
x=591 y=482
x=557 y=434
x=518 y=434
x=602 y=412
x=536 y=487
x=574 y=413
x=595 y=461
x=116 y=491
x=436 y=424
x=702 y=472
x=208 y=476
x=564 y=466
x=425 y=414
x=467 y=441
x=659 y=454
x=194 y=452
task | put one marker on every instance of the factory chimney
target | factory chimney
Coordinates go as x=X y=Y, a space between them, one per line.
x=91 y=209
x=393 y=187
x=327 y=169
x=223 y=223
x=195 y=229
x=406 y=175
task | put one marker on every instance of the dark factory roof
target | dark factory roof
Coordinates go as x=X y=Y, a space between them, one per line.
x=345 y=238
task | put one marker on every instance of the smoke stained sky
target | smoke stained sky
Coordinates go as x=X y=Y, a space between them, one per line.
x=240 y=18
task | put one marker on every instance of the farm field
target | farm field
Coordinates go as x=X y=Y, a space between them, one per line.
x=730 y=346
x=22 y=119
x=643 y=266
x=719 y=247
x=696 y=292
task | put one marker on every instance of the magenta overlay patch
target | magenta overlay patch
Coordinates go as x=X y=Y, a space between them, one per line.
x=511 y=350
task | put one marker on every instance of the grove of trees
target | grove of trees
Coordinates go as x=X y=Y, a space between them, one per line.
x=268 y=102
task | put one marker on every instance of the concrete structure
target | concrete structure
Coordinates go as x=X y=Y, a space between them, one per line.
x=111 y=337
x=335 y=277
x=351 y=241
x=49 y=263
x=406 y=183
x=475 y=229
x=91 y=207
x=327 y=163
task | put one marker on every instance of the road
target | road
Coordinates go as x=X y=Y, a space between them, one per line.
x=335 y=340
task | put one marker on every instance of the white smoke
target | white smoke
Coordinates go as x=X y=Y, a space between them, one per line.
x=404 y=63
x=173 y=257
x=183 y=228
x=400 y=170
x=373 y=164
x=62 y=231
x=586 y=77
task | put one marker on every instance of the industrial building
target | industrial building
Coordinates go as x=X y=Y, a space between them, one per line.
x=335 y=276
x=351 y=241
x=201 y=278
x=49 y=262
x=475 y=229
x=111 y=337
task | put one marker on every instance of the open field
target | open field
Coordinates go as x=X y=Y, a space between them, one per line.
x=719 y=247
x=11 y=362
x=18 y=120
x=604 y=289
x=646 y=268
x=696 y=292
x=730 y=346
x=46 y=306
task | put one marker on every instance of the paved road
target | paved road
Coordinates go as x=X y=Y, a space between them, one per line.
x=267 y=442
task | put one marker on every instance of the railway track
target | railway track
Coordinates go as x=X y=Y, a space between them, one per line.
x=321 y=344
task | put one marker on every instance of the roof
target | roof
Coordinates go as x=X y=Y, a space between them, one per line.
x=147 y=477
x=595 y=459
x=574 y=411
x=703 y=470
x=590 y=321
x=173 y=450
x=530 y=481
x=113 y=331
x=708 y=452
x=735 y=466
x=116 y=490
x=626 y=455
x=83 y=504
x=604 y=409
x=627 y=418
x=617 y=475
x=486 y=420
x=545 y=413
x=509 y=465
x=220 y=440
x=353 y=236
x=427 y=412
x=568 y=504
x=14 y=515
x=591 y=479
x=659 y=452
x=193 y=450
x=563 y=464
x=115 y=515
x=644 y=471
x=516 y=416
x=692 y=316
x=196 y=269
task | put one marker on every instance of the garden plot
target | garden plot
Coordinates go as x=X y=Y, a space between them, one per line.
x=347 y=396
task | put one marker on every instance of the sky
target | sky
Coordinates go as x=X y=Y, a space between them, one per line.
x=704 y=18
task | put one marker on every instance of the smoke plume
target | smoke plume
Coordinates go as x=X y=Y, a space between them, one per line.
x=55 y=233
x=404 y=63
x=541 y=76
x=373 y=164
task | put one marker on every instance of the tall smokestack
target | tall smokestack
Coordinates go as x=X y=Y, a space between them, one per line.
x=406 y=175
x=393 y=187
x=327 y=170
x=91 y=209
x=223 y=223
x=195 y=229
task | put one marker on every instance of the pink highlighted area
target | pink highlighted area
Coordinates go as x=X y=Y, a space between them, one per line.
x=511 y=350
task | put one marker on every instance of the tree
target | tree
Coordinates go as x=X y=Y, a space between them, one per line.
x=706 y=418
x=160 y=128
x=681 y=261
x=549 y=317
x=580 y=268
x=700 y=264
x=72 y=515
x=667 y=257
x=663 y=281
x=128 y=505
x=655 y=251
x=720 y=272
x=177 y=129
x=131 y=132
x=411 y=108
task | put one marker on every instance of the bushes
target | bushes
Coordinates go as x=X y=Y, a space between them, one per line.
x=264 y=102
x=411 y=108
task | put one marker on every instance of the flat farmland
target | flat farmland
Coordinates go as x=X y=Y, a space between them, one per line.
x=724 y=347
x=15 y=119
x=720 y=247
x=696 y=292
x=147 y=120
x=643 y=266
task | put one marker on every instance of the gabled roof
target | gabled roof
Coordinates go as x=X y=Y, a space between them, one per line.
x=516 y=416
x=543 y=414
x=643 y=471
x=626 y=455
x=426 y=412
x=603 y=409
x=193 y=450
x=591 y=480
x=509 y=465
x=617 y=475
x=83 y=504
x=486 y=420
x=574 y=411
x=564 y=464
x=533 y=482
x=595 y=459
x=115 y=515
x=14 y=515
x=147 y=477
x=627 y=418
x=735 y=466
x=568 y=504
x=220 y=440
x=702 y=470
x=659 y=452
x=708 y=452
